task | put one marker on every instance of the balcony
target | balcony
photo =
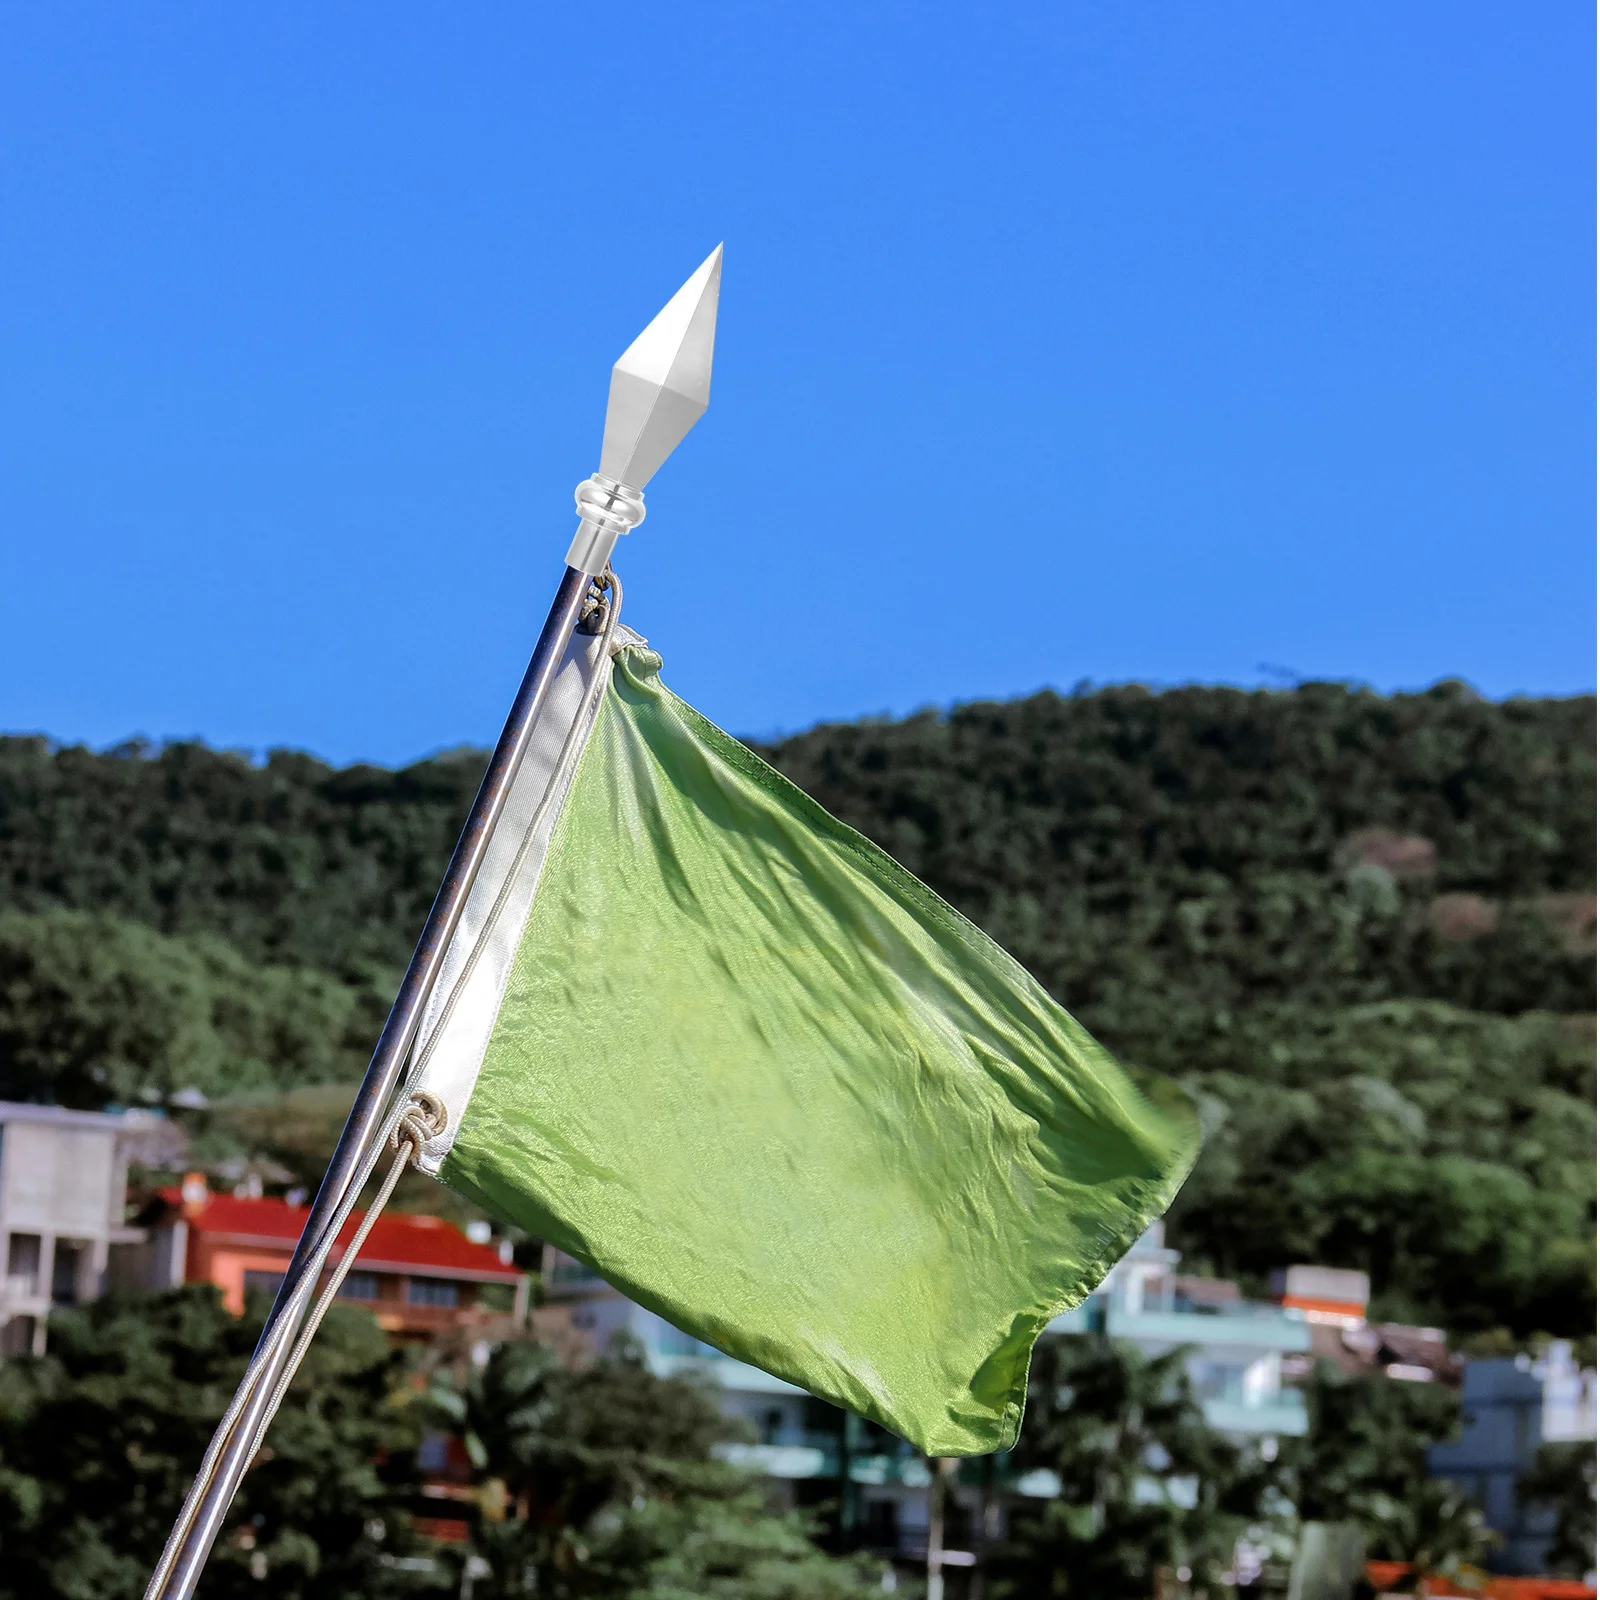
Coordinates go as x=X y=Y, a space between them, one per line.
x=21 y=1289
x=1081 y=1319
x=1282 y=1414
x=816 y=1455
x=569 y=1274
x=1248 y=1328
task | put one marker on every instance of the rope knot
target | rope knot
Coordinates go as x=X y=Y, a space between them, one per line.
x=423 y=1119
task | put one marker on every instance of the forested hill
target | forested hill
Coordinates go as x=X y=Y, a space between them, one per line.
x=1237 y=844
x=1213 y=848
x=1360 y=927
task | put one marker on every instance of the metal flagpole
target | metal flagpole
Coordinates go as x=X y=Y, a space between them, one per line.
x=659 y=389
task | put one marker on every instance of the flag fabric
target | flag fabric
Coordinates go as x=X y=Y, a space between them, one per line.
x=708 y=1040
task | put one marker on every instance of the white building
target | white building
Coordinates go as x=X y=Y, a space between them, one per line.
x=1236 y=1347
x=805 y=1445
x=63 y=1190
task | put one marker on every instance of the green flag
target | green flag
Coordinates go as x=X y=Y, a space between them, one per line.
x=704 y=1037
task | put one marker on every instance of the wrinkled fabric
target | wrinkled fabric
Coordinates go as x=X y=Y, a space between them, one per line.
x=772 y=1087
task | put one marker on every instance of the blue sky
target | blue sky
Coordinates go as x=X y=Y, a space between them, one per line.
x=1058 y=342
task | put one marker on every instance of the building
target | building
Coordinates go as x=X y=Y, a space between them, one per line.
x=1334 y=1301
x=1240 y=1351
x=805 y=1447
x=1509 y=1408
x=809 y=1449
x=421 y=1276
x=1391 y=1350
x=63 y=1198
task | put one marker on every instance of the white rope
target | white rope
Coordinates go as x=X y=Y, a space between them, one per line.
x=287 y=1322
x=423 y=1117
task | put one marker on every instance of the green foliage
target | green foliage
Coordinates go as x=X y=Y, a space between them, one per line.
x=292 y=862
x=1193 y=850
x=1436 y=1529
x=1448 y=1154
x=99 y=1439
x=1364 y=1462
x=1249 y=892
x=1367 y=1444
x=1358 y=926
x=1145 y=1483
x=94 y=1009
x=1562 y=1479
x=722 y=1547
x=1191 y=846
x=607 y=1475
x=610 y=1488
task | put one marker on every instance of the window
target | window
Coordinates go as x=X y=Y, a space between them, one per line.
x=957 y=1526
x=433 y=1292
x=64 y=1273
x=567 y=1271
x=1155 y=1294
x=359 y=1286
x=262 y=1282
x=497 y=1296
x=821 y=1416
x=22 y=1263
x=1217 y=1380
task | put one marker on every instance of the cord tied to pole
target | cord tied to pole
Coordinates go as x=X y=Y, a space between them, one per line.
x=424 y=1118
x=420 y=1117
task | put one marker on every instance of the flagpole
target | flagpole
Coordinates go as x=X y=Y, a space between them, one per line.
x=367 y=1114
x=383 y=1072
x=659 y=389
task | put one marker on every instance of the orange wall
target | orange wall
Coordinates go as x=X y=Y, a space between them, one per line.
x=226 y=1265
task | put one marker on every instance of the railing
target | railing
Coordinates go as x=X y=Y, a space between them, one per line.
x=813 y=1455
x=1242 y=1308
x=1266 y=1329
x=671 y=1341
x=1282 y=1413
x=1249 y=1318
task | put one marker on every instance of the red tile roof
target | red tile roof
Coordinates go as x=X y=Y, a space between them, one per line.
x=399 y=1242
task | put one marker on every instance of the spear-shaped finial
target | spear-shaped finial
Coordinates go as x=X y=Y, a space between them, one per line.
x=660 y=388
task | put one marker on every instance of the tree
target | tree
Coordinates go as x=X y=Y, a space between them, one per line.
x=1144 y=1481
x=1360 y=926
x=1366 y=1443
x=1562 y=1479
x=1364 y=1461
x=1436 y=1528
x=100 y=1438
x=1448 y=1154
x=95 y=1010
x=610 y=1488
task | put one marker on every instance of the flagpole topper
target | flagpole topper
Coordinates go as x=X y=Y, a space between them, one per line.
x=660 y=388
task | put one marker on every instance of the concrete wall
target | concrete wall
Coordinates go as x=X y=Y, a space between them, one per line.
x=63 y=1181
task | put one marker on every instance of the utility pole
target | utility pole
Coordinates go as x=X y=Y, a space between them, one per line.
x=988 y=1527
x=941 y=1469
x=849 y=1429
